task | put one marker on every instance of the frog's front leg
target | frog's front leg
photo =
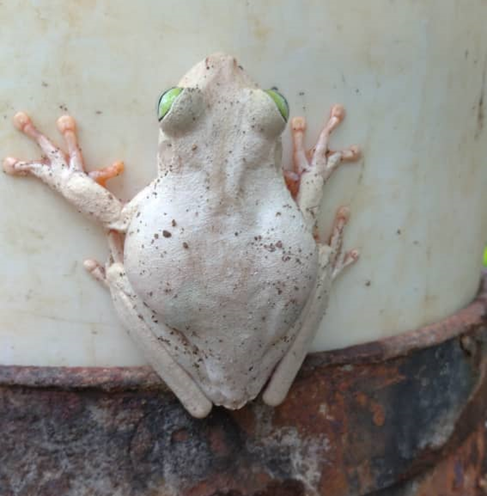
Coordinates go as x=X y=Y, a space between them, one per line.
x=140 y=321
x=332 y=261
x=311 y=170
x=65 y=173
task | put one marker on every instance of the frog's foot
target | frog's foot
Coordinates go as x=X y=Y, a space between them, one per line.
x=318 y=158
x=52 y=154
x=55 y=158
x=336 y=257
x=96 y=269
x=65 y=172
x=312 y=168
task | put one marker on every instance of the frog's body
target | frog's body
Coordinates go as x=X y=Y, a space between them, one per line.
x=220 y=279
x=218 y=248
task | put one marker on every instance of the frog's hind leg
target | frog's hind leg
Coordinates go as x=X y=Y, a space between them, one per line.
x=332 y=261
x=65 y=173
x=313 y=168
x=139 y=321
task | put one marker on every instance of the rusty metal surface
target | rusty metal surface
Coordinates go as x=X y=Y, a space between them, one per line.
x=462 y=473
x=400 y=417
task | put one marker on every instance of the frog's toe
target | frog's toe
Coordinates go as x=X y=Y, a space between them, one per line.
x=354 y=255
x=349 y=258
x=21 y=120
x=338 y=111
x=96 y=270
x=343 y=215
x=298 y=125
x=199 y=409
x=351 y=154
x=66 y=123
x=9 y=167
x=101 y=176
x=336 y=239
x=15 y=167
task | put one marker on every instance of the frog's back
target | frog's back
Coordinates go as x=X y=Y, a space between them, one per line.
x=232 y=281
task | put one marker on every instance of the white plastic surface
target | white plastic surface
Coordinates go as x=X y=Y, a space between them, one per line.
x=411 y=75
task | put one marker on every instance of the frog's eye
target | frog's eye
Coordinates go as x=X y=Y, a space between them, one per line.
x=166 y=100
x=281 y=103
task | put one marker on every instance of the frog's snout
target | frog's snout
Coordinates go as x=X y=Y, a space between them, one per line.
x=221 y=59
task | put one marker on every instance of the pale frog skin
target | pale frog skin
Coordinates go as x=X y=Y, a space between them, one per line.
x=215 y=270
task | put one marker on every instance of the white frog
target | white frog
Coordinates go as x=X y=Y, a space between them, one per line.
x=216 y=270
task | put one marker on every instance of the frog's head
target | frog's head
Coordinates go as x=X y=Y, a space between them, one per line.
x=217 y=103
x=217 y=83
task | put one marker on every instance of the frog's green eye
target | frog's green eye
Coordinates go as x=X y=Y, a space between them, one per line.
x=166 y=100
x=280 y=102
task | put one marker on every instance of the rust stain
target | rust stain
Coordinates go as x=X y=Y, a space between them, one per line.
x=460 y=474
